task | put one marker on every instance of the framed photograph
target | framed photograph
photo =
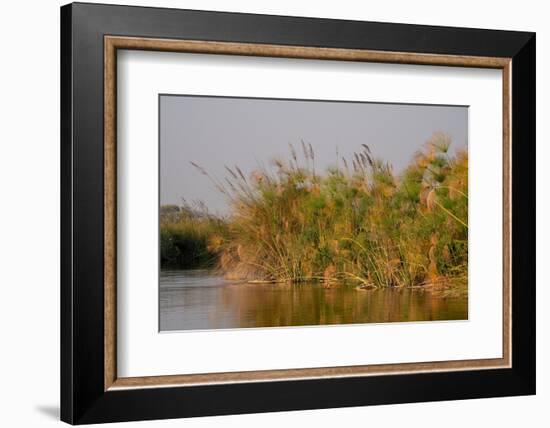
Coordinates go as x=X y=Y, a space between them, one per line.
x=265 y=213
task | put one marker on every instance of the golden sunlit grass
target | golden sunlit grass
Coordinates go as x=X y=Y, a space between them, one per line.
x=356 y=221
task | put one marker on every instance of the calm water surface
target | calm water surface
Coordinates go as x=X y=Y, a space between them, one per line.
x=200 y=299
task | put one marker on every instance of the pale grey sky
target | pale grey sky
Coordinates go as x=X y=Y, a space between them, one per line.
x=217 y=131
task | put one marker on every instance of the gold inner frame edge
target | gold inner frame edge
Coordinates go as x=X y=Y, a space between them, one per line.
x=113 y=43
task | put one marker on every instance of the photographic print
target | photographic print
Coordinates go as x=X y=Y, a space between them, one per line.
x=283 y=212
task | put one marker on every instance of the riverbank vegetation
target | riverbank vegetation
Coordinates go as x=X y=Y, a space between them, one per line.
x=357 y=221
x=185 y=234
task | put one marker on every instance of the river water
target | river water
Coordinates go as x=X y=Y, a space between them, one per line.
x=201 y=299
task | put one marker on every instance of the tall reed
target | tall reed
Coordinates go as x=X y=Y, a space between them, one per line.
x=356 y=221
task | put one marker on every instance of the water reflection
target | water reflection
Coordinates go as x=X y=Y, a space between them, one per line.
x=199 y=299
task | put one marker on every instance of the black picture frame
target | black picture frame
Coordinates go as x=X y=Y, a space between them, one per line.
x=83 y=398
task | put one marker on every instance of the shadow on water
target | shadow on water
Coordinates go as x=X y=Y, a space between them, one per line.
x=199 y=299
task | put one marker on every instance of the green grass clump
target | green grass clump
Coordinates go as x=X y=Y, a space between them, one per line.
x=184 y=237
x=357 y=221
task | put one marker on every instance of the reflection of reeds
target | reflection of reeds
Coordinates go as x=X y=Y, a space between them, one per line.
x=260 y=305
x=357 y=222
